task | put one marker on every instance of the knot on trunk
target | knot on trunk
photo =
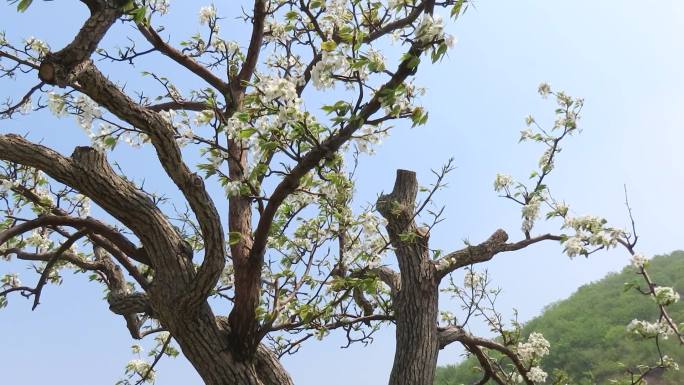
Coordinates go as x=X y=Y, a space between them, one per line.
x=59 y=71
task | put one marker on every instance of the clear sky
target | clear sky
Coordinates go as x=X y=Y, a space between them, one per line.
x=624 y=57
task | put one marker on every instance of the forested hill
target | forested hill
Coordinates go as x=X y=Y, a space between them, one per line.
x=587 y=330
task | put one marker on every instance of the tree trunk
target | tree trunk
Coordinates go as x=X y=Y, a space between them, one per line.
x=417 y=345
x=205 y=341
x=416 y=300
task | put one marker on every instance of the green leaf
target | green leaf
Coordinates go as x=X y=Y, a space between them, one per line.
x=329 y=45
x=234 y=237
x=23 y=5
x=456 y=10
x=246 y=133
x=110 y=142
x=139 y=15
x=631 y=285
x=292 y=15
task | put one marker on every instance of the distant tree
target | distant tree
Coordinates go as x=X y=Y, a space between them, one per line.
x=295 y=261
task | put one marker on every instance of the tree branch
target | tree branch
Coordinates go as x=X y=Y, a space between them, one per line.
x=138 y=254
x=239 y=83
x=332 y=144
x=191 y=185
x=91 y=224
x=88 y=171
x=53 y=260
x=189 y=63
x=485 y=251
x=457 y=334
x=59 y=68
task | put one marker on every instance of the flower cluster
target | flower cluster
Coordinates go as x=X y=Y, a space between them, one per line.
x=536 y=374
x=669 y=363
x=141 y=368
x=638 y=261
x=664 y=295
x=502 y=182
x=7 y=185
x=473 y=279
x=536 y=347
x=431 y=28
x=10 y=281
x=38 y=240
x=334 y=16
x=57 y=104
x=161 y=6
x=589 y=231
x=88 y=111
x=332 y=62
x=647 y=329
x=530 y=212
x=207 y=14
x=368 y=137
x=38 y=46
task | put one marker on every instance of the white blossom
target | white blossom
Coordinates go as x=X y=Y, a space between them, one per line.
x=502 y=182
x=330 y=63
x=536 y=346
x=573 y=246
x=638 y=260
x=450 y=40
x=334 y=16
x=84 y=205
x=274 y=31
x=88 y=111
x=544 y=90
x=233 y=188
x=647 y=329
x=473 y=279
x=376 y=61
x=670 y=363
x=204 y=117
x=206 y=14
x=162 y=6
x=7 y=185
x=367 y=138
x=38 y=240
x=431 y=28
x=26 y=107
x=141 y=368
x=38 y=46
x=447 y=317
x=530 y=212
x=56 y=104
x=276 y=88
x=664 y=295
x=526 y=134
x=536 y=374
x=10 y=280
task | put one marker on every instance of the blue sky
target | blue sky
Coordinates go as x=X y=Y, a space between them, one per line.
x=624 y=57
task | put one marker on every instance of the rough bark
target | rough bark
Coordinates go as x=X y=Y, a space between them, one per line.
x=416 y=301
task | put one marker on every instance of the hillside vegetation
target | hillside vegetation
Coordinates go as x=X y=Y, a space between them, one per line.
x=587 y=331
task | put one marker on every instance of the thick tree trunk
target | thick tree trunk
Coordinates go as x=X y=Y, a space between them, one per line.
x=205 y=341
x=416 y=300
x=417 y=345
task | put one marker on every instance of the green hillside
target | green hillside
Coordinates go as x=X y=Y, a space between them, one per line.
x=587 y=330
